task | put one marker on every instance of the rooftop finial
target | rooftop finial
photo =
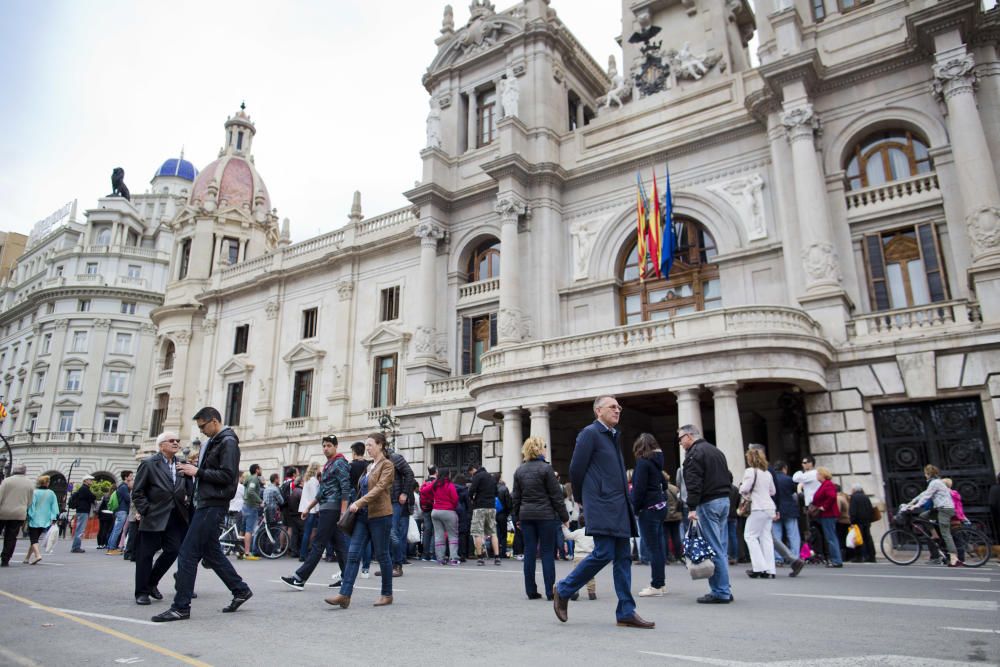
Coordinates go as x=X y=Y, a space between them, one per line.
x=356 y=215
x=182 y=151
x=243 y=105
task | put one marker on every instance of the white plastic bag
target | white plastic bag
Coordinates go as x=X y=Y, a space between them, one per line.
x=50 y=538
x=413 y=532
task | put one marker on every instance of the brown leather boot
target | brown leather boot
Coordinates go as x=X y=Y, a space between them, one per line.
x=383 y=601
x=559 y=604
x=343 y=601
x=397 y=570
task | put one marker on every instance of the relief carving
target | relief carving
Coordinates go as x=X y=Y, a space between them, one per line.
x=584 y=236
x=984 y=230
x=820 y=262
x=746 y=196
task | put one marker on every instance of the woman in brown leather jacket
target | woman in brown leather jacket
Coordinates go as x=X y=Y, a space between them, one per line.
x=373 y=523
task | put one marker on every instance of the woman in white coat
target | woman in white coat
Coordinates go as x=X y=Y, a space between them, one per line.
x=758 y=486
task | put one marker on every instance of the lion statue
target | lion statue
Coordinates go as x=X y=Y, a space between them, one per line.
x=118 y=187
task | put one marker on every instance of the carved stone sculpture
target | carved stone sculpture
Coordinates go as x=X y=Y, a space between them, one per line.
x=583 y=244
x=746 y=196
x=271 y=308
x=800 y=122
x=509 y=324
x=434 y=125
x=954 y=77
x=984 y=230
x=448 y=21
x=619 y=90
x=510 y=207
x=428 y=229
x=686 y=65
x=820 y=262
x=509 y=94
x=423 y=341
x=118 y=187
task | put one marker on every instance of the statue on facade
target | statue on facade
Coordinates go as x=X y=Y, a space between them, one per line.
x=448 y=21
x=434 y=125
x=509 y=94
x=619 y=90
x=118 y=187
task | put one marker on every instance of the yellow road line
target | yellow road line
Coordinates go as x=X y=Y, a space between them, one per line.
x=109 y=631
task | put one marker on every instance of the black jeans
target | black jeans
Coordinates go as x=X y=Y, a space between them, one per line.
x=540 y=534
x=147 y=573
x=502 y=534
x=202 y=542
x=325 y=532
x=10 y=530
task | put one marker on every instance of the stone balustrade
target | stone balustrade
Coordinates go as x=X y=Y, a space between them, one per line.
x=918 y=320
x=922 y=186
x=448 y=386
x=635 y=337
x=128 y=281
x=333 y=239
x=402 y=216
x=76 y=438
x=298 y=425
x=90 y=279
x=480 y=289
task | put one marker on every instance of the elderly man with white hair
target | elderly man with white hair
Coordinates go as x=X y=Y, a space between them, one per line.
x=161 y=497
x=862 y=514
x=16 y=493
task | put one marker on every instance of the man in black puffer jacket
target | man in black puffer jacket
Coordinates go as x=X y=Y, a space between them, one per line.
x=215 y=479
x=483 y=493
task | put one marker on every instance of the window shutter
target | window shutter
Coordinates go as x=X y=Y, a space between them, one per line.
x=493 y=329
x=932 y=262
x=466 y=346
x=876 y=272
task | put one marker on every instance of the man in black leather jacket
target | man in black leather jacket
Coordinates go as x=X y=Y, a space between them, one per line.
x=215 y=479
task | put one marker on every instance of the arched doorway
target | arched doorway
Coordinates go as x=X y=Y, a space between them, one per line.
x=57 y=483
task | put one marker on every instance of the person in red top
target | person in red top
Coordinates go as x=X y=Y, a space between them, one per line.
x=426 y=507
x=445 y=517
x=825 y=498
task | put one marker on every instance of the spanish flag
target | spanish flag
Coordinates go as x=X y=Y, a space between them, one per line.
x=656 y=230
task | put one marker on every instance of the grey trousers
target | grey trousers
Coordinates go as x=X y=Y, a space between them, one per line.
x=445 y=523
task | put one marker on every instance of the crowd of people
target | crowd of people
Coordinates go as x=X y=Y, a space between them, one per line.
x=369 y=507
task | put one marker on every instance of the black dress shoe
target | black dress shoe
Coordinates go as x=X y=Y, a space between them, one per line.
x=753 y=575
x=156 y=594
x=142 y=600
x=711 y=599
x=194 y=596
x=636 y=621
x=237 y=601
x=797 y=566
x=534 y=596
x=172 y=615
x=834 y=565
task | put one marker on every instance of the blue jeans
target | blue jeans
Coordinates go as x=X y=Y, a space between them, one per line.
x=307 y=529
x=713 y=516
x=400 y=526
x=81 y=526
x=378 y=532
x=116 y=532
x=651 y=529
x=732 y=531
x=829 y=527
x=202 y=543
x=428 y=538
x=616 y=550
x=790 y=528
x=544 y=533
x=251 y=515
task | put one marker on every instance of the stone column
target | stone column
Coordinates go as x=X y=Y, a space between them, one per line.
x=819 y=256
x=473 y=138
x=688 y=406
x=510 y=207
x=512 y=442
x=728 y=433
x=429 y=233
x=540 y=423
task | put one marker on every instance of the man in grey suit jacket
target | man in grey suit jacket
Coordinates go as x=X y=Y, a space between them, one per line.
x=161 y=497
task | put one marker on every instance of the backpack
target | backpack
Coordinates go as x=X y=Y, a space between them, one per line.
x=113 y=502
x=498 y=505
x=427 y=499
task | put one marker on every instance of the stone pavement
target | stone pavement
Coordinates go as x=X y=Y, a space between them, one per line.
x=78 y=608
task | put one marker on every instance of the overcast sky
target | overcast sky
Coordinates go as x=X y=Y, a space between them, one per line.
x=333 y=88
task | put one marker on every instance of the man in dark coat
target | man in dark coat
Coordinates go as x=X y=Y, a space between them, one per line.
x=708 y=480
x=862 y=513
x=161 y=498
x=597 y=469
x=402 y=507
x=82 y=501
x=786 y=501
x=215 y=479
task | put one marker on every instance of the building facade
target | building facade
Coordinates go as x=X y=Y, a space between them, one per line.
x=835 y=287
x=76 y=331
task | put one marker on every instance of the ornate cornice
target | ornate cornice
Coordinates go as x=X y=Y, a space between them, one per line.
x=923 y=25
x=51 y=293
x=805 y=66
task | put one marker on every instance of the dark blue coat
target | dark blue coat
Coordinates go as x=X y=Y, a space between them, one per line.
x=598 y=470
x=785 y=499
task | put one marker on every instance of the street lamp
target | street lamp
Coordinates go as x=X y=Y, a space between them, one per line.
x=6 y=461
x=72 y=465
x=388 y=424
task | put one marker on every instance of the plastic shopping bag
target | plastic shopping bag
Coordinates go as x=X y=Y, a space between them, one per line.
x=854 y=537
x=413 y=532
x=50 y=538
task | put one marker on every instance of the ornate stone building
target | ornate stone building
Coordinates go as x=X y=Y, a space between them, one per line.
x=835 y=288
x=75 y=333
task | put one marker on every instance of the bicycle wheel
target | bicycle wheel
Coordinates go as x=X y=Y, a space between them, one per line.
x=272 y=541
x=900 y=547
x=973 y=546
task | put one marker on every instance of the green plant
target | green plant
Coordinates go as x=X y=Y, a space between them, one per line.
x=101 y=487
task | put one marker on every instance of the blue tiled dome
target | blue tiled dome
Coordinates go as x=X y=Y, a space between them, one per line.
x=177 y=167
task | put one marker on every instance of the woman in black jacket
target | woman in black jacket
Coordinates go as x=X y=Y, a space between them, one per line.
x=464 y=512
x=650 y=504
x=861 y=513
x=538 y=510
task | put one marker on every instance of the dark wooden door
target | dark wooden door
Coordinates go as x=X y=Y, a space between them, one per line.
x=949 y=434
x=457 y=457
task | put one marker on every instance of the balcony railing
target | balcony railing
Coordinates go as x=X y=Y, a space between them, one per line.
x=393 y=218
x=298 y=425
x=931 y=318
x=448 y=386
x=75 y=438
x=480 y=289
x=923 y=184
x=621 y=340
x=127 y=281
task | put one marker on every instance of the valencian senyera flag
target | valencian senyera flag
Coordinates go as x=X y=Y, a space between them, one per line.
x=642 y=225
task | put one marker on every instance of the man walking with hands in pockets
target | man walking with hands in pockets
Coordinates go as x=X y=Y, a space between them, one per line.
x=598 y=470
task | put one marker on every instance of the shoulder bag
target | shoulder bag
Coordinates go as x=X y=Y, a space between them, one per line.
x=745 y=506
x=347 y=521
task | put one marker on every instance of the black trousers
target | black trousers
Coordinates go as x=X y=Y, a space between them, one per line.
x=502 y=534
x=10 y=530
x=148 y=573
x=202 y=542
x=325 y=532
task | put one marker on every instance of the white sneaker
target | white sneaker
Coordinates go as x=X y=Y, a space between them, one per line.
x=365 y=574
x=650 y=592
x=335 y=575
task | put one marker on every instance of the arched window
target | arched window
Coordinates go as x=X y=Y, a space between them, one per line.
x=692 y=286
x=104 y=236
x=484 y=263
x=887 y=156
x=168 y=355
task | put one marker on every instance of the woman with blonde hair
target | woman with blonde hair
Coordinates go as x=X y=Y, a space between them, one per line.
x=825 y=499
x=758 y=487
x=940 y=496
x=538 y=511
x=42 y=516
x=310 y=487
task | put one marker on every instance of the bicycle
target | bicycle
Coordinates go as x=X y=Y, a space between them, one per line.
x=230 y=537
x=271 y=538
x=903 y=544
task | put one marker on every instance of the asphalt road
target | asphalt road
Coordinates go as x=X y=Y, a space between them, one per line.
x=78 y=609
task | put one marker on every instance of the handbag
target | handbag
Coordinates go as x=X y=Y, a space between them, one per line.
x=698 y=554
x=813 y=511
x=746 y=505
x=347 y=521
x=876 y=514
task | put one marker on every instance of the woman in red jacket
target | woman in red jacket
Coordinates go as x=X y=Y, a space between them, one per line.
x=825 y=498
x=445 y=517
